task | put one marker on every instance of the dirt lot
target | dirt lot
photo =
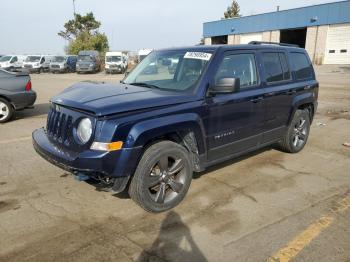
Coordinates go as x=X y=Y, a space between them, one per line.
x=265 y=206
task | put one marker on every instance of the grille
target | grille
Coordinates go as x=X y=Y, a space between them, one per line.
x=55 y=66
x=59 y=126
x=28 y=66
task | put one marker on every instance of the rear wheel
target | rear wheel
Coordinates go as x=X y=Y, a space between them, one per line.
x=297 y=133
x=162 y=177
x=6 y=111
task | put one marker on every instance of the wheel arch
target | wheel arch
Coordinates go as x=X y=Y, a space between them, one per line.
x=303 y=101
x=186 y=130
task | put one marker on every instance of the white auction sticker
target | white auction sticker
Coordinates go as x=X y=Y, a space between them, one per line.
x=198 y=55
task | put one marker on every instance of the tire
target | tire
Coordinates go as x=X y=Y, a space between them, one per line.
x=6 y=111
x=298 y=132
x=162 y=178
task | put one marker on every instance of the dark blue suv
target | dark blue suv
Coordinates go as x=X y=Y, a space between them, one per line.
x=203 y=105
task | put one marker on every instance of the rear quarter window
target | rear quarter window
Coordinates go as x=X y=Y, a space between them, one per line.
x=276 y=67
x=301 y=66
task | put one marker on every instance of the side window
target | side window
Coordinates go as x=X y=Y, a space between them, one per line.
x=240 y=66
x=285 y=67
x=301 y=66
x=274 y=68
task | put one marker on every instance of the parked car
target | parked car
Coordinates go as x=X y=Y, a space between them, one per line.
x=152 y=132
x=11 y=62
x=15 y=94
x=88 y=61
x=37 y=63
x=116 y=62
x=63 y=64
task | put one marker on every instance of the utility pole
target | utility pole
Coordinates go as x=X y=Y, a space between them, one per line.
x=74 y=8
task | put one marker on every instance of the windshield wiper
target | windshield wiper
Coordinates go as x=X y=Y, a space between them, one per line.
x=145 y=85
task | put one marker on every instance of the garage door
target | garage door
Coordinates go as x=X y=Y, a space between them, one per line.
x=245 y=39
x=338 y=45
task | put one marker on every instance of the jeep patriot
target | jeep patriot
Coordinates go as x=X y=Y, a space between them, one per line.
x=180 y=111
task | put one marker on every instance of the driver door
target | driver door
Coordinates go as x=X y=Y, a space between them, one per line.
x=232 y=125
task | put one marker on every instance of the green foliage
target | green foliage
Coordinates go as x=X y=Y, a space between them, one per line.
x=82 y=34
x=233 y=10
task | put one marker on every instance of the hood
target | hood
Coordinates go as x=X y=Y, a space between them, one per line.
x=106 y=99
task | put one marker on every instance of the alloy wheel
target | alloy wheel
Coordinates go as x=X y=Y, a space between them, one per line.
x=166 y=179
x=300 y=133
x=4 y=111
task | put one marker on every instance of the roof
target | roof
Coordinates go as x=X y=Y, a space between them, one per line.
x=212 y=48
x=324 y=14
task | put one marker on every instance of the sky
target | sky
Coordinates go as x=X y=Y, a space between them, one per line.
x=31 y=27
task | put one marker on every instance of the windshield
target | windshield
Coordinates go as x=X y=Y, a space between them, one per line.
x=172 y=70
x=85 y=58
x=5 y=58
x=113 y=58
x=59 y=59
x=33 y=59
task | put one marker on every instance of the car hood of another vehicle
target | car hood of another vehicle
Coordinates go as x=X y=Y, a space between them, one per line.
x=107 y=99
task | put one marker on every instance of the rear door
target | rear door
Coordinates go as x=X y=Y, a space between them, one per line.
x=232 y=118
x=278 y=95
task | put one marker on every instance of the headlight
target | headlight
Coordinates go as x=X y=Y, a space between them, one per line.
x=84 y=130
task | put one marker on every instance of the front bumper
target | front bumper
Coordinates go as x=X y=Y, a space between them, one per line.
x=114 y=164
x=114 y=69
x=84 y=69
x=59 y=70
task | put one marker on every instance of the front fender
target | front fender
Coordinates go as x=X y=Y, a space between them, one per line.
x=147 y=130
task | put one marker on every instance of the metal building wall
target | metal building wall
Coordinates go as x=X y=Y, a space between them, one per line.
x=325 y=14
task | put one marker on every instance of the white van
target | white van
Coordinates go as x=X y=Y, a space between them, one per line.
x=37 y=63
x=11 y=62
x=116 y=62
x=143 y=53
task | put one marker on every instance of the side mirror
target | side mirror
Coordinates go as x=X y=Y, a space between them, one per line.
x=226 y=85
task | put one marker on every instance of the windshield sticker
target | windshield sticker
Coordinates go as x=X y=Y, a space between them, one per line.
x=198 y=55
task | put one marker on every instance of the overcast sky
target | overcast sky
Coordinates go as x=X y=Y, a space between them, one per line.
x=32 y=26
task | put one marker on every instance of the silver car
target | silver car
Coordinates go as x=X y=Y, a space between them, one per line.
x=15 y=93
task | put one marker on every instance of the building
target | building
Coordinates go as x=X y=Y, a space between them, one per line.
x=323 y=30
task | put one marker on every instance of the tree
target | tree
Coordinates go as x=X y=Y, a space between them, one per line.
x=232 y=10
x=82 y=34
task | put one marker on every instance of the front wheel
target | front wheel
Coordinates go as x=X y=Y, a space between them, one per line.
x=297 y=133
x=162 y=177
x=6 y=111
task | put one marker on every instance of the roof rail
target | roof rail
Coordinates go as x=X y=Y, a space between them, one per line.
x=271 y=43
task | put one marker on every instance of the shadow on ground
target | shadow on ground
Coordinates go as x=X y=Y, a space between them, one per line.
x=38 y=110
x=174 y=243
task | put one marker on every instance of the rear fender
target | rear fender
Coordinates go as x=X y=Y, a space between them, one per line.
x=300 y=100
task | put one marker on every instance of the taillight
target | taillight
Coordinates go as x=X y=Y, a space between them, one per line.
x=29 y=86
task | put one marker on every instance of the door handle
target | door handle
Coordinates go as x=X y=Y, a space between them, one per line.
x=257 y=100
x=291 y=92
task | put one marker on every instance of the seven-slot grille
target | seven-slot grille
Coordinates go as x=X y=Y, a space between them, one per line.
x=59 y=126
